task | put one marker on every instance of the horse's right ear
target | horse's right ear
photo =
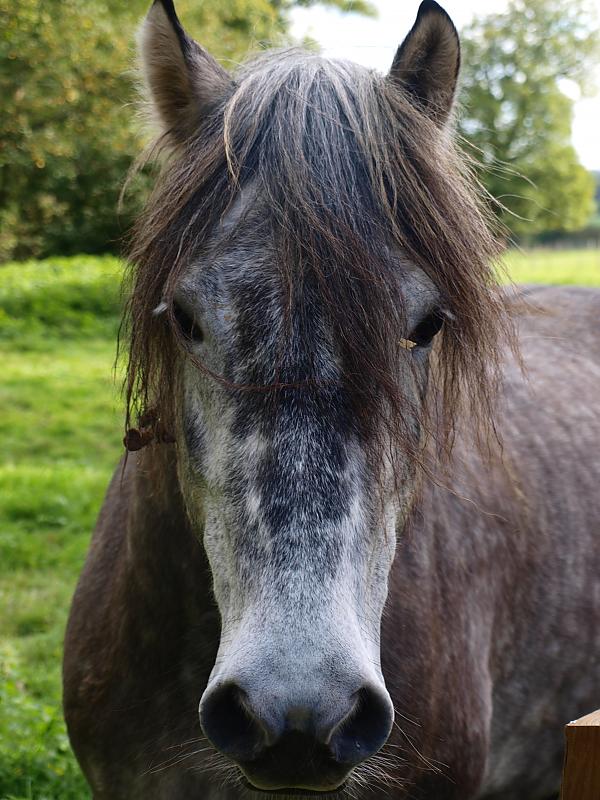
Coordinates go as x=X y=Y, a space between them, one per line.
x=183 y=81
x=427 y=62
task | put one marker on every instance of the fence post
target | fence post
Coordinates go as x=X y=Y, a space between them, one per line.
x=581 y=772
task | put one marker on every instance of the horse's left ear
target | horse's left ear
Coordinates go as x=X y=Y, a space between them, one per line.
x=183 y=80
x=427 y=62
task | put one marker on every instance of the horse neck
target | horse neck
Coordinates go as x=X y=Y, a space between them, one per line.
x=155 y=579
x=163 y=552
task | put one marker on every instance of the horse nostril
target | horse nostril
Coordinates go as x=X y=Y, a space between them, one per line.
x=228 y=721
x=365 y=729
x=290 y=740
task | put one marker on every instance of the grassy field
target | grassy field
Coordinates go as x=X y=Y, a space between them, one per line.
x=60 y=429
x=555 y=266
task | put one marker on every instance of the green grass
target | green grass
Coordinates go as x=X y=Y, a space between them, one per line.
x=555 y=266
x=60 y=429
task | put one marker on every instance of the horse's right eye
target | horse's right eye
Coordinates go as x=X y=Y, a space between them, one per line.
x=427 y=329
x=188 y=327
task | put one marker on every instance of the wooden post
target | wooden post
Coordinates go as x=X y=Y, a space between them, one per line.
x=581 y=773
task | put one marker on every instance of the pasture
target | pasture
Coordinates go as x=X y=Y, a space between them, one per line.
x=60 y=429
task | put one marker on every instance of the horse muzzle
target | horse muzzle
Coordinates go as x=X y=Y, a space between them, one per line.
x=308 y=741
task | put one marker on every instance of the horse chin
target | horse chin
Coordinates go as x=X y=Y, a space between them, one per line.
x=256 y=793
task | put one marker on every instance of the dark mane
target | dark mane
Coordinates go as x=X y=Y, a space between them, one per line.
x=350 y=170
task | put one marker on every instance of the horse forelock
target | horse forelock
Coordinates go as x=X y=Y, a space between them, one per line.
x=349 y=171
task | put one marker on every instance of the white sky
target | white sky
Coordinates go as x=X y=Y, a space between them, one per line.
x=373 y=42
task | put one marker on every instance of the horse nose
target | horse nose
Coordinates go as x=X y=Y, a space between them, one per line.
x=232 y=725
x=245 y=725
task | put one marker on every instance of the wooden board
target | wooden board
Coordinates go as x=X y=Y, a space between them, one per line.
x=581 y=773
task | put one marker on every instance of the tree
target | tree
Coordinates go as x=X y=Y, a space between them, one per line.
x=518 y=119
x=67 y=129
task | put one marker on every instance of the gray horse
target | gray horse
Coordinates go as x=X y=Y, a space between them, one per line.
x=358 y=526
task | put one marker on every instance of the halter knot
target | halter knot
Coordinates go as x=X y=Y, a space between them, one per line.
x=150 y=429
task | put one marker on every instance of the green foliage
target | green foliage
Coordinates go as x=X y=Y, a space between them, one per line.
x=518 y=118
x=68 y=132
x=596 y=177
x=60 y=428
x=66 y=137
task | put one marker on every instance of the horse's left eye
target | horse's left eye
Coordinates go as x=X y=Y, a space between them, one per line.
x=188 y=327
x=422 y=335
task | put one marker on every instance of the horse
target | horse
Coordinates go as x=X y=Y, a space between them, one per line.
x=352 y=550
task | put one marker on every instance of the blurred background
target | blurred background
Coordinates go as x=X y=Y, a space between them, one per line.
x=530 y=118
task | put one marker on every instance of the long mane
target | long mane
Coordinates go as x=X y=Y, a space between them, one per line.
x=349 y=168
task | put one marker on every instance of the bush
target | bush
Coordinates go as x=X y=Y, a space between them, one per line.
x=67 y=138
